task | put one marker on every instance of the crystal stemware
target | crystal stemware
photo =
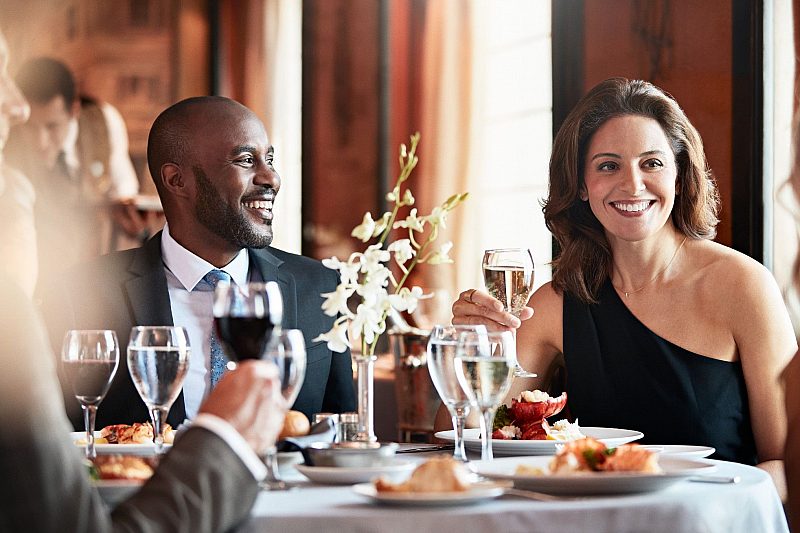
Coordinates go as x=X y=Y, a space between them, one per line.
x=158 y=359
x=90 y=359
x=442 y=345
x=244 y=317
x=484 y=367
x=508 y=276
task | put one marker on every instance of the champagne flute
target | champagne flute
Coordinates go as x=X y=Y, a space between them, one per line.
x=244 y=317
x=442 y=345
x=287 y=350
x=90 y=359
x=508 y=276
x=158 y=359
x=484 y=367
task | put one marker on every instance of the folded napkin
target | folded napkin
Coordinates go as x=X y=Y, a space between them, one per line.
x=322 y=431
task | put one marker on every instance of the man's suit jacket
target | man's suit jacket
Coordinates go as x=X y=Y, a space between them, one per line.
x=126 y=289
x=200 y=485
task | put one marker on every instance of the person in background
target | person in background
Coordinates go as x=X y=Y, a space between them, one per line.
x=206 y=483
x=212 y=163
x=661 y=329
x=791 y=376
x=74 y=149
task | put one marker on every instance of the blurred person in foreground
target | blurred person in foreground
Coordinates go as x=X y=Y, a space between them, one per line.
x=74 y=149
x=661 y=329
x=791 y=376
x=212 y=163
x=207 y=482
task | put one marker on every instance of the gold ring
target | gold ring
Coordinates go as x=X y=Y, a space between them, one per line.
x=469 y=296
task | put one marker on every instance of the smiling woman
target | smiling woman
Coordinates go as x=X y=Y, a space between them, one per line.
x=661 y=329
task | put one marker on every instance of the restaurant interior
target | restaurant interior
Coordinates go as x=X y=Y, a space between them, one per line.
x=341 y=85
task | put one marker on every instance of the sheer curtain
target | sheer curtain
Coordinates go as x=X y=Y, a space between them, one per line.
x=449 y=145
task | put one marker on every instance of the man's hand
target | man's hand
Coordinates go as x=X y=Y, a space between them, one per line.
x=249 y=399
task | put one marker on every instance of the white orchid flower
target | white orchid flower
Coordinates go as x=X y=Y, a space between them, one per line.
x=407 y=299
x=411 y=222
x=408 y=198
x=440 y=257
x=336 y=302
x=438 y=217
x=374 y=255
x=381 y=224
x=403 y=251
x=336 y=338
x=363 y=231
x=368 y=322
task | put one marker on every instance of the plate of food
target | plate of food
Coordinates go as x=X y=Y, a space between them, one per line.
x=588 y=467
x=339 y=475
x=135 y=439
x=116 y=477
x=522 y=428
x=436 y=482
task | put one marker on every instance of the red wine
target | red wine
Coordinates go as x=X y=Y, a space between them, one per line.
x=90 y=379
x=243 y=337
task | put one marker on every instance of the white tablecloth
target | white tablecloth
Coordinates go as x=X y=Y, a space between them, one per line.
x=752 y=505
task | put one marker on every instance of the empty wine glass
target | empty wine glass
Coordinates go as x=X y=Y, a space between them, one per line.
x=442 y=345
x=90 y=359
x=287 y=350
x=158 y=359
x=508 y=276
x=245 y=316
x=484 y=367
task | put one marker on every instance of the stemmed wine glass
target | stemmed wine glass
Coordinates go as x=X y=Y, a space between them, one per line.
x=287 y=350
x=245 y=316
x=90 y=359
x=158 y=359
x=508 y=276
x=484 y=367
x=442 y=345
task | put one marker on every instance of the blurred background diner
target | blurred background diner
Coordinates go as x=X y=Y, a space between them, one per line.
x=339 y=84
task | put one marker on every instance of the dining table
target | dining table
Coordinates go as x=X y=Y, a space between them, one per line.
x=748 y=505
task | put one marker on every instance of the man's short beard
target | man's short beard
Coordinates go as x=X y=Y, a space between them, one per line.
x=223 y=220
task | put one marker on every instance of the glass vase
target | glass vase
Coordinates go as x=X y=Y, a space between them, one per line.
x=365 y=366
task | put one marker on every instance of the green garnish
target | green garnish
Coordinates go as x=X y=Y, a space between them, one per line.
x=502 y=418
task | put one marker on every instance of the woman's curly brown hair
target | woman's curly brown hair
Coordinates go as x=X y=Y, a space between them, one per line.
x=585 y=260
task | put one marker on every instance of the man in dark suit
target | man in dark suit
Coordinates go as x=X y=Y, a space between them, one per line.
x=212 y=164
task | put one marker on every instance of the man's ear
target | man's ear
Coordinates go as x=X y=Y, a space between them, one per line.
x=75 y=108
x=172 y=179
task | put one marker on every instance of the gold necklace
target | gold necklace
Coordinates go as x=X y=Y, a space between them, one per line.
x=651 y=280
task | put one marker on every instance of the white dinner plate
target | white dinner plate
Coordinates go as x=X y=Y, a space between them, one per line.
x=681 y=450
x=79 y=438
x=477 y=493
x=675 y=469
x=339 y=475
x=114 y=491
x=609 y=436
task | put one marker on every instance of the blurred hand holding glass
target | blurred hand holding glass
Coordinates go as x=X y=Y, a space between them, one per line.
x=508 y=276
x=442 y=349
x=158 y=359
x=90 y=359
x=484 y=366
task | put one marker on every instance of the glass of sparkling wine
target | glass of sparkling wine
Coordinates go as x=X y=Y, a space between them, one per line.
x=90 y=359
x=158 y=359
x=508 y=276
x=484 y=367
x=442 y=345
x=287 y=350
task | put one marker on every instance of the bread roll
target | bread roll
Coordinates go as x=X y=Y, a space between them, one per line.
x=295 y=425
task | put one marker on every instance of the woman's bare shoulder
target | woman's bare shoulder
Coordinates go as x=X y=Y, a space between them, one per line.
x=726 y=270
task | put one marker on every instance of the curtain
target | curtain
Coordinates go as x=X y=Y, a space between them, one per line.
x=452 y=59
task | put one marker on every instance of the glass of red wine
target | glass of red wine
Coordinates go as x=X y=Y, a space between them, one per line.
x=90 y=359
x=245 y=316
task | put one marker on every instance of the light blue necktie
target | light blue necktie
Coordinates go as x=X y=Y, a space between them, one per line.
x=218 y=358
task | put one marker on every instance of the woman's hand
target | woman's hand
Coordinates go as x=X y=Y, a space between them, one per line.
x=477 y=307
